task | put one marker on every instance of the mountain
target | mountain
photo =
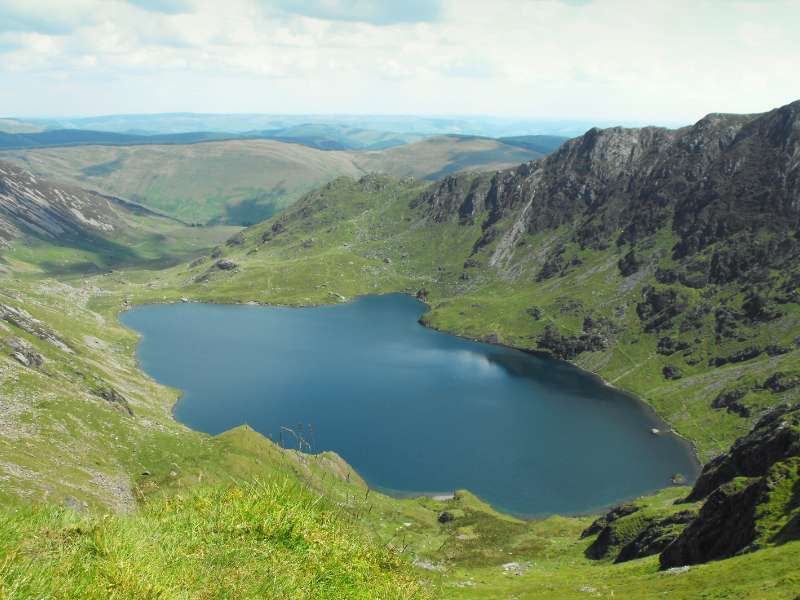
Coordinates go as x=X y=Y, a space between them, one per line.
x=245 y=181
x=73 y=229
x=435 y=157
x=544 y=144
x=664 y=260
x=422 y=125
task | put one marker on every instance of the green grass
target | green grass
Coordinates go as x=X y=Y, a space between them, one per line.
x=265 y=539
x=63 y=445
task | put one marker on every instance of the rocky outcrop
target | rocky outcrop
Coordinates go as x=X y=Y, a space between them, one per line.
x=24 y=353
x=628 y=532
x=741 y=516
x=730 y=400
x=113 y=397
x=721 y=179
x=225 y=265
x=568 y=347
x=751 y=493
x=614 y=514
x=774 y=438
x=656 y=536
x=751 y=500
x=24 y=321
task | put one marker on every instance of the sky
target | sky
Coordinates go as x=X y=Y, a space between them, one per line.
x=669 y=61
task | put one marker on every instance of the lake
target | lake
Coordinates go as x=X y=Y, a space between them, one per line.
x=411 y=409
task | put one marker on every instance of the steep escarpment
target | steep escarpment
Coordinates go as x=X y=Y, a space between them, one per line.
x=726 y=175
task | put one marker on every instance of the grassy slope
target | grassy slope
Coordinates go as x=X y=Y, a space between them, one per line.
x=64 y=444
x=339 y=248
x=267 y=539
x=436 y=157
x=233 y=536
x=246 y=181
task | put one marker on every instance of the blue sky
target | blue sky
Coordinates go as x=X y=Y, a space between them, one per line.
x=642 y=60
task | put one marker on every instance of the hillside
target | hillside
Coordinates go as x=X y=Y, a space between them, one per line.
x=544 y=144
x=330 y=136
x=17 y=136
x=15 y=126
x=66 y=229
x=245 y=181
x=234 y=181
x=433 y=158
x=95 y=470
x=663 y=260
x=79 y=137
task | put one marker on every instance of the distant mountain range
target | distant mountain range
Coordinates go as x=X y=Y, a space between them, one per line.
x=355 y=126
x=320 y=136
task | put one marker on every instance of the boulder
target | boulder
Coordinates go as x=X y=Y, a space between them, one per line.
x=225 y=265
x=445 y=517
x=25 y=354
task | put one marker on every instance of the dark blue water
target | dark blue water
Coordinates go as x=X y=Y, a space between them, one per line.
x=413 y=410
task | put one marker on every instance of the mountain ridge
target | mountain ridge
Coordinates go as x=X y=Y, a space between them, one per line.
x=593 y=257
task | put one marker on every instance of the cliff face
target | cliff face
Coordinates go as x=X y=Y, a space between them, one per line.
x=726 y=194
x=727 y=175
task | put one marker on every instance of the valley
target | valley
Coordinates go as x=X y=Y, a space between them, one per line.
x=663 y=260
x=241 y=182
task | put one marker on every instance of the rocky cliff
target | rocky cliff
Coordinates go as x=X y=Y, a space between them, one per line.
x=727 y=176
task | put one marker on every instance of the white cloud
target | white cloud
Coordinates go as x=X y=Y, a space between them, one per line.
x=644 y=60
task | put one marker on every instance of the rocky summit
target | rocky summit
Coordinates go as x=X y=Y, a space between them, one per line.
x=724 y=179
